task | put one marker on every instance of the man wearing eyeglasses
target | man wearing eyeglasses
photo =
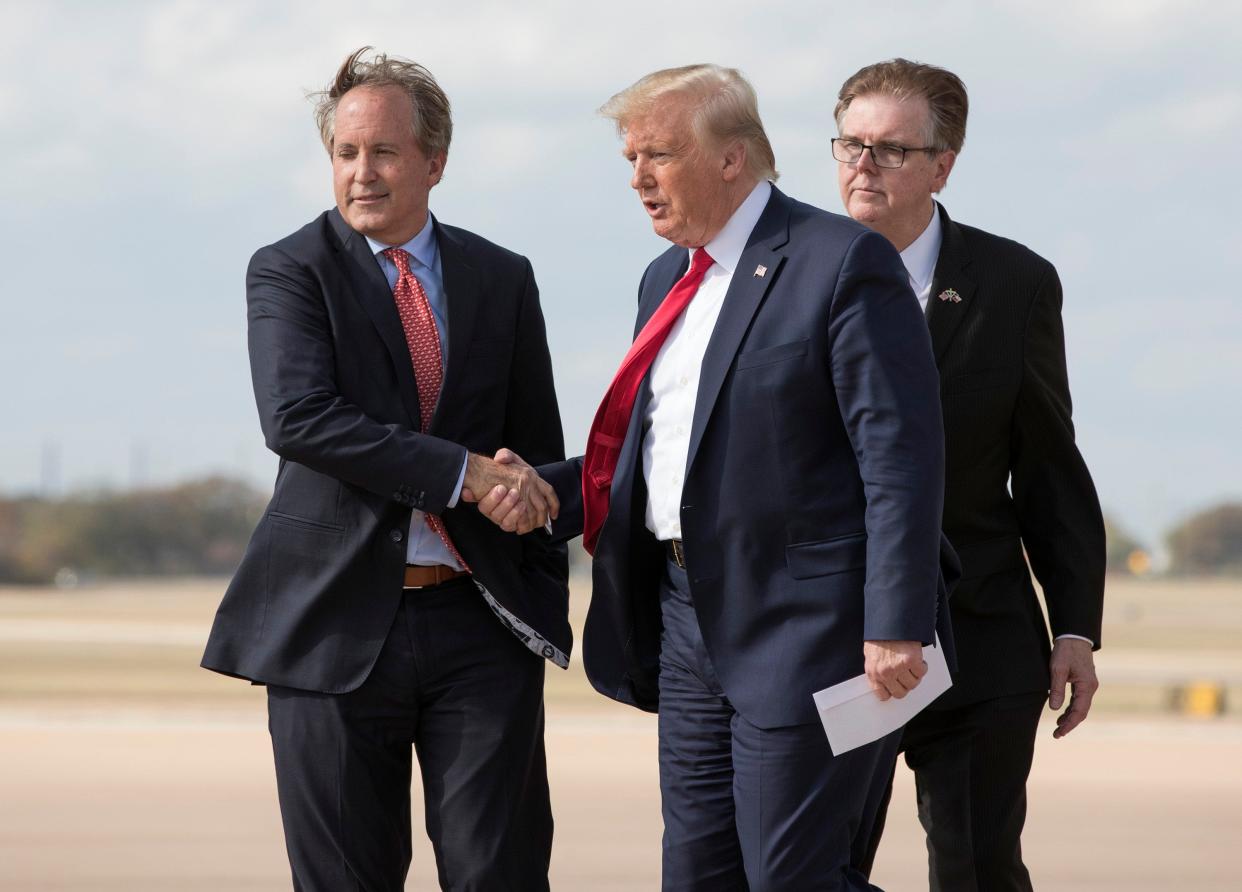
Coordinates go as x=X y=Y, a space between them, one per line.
x=1015 y=482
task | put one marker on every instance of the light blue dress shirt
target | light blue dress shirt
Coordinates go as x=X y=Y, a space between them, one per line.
x=423 y=546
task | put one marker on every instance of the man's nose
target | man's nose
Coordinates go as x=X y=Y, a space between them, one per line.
x=866 y=161
x=364 y=170
x=641 y=176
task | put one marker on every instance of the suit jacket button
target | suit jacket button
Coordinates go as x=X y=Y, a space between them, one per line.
x=396 y=535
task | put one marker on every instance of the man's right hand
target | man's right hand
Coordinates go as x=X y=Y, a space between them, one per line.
x=894 y=668
x=509 y=492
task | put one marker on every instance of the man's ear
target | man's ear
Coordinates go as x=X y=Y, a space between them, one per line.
x=944 y=166
x=435 y=167
x=734 y=161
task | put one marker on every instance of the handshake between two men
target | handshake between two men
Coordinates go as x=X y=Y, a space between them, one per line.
x=509 y=492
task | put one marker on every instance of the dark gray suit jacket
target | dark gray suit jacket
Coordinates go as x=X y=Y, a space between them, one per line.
x=318 y=588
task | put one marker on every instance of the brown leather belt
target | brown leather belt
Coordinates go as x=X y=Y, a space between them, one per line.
x=676 y=552
x=421 y=577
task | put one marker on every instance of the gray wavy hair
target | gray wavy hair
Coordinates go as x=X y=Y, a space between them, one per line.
x=433 y=117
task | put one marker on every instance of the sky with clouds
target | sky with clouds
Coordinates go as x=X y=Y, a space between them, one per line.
x=150 y=148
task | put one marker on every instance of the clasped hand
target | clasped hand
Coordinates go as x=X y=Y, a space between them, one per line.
x=894 y=668
x=509 y=492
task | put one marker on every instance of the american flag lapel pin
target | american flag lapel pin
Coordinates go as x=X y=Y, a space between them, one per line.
x=950 y=295
x=761 y=271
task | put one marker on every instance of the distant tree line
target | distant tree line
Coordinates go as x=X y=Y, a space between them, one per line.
x=195 y=528
x=201 y=528
x=1207 y=543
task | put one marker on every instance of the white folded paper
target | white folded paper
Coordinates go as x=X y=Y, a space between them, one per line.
x=853 y=715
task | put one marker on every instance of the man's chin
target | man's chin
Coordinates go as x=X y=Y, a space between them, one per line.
x=666 y=231
x=367 y=223
x=866 y=211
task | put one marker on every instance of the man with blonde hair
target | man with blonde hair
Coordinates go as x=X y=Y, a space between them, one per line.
x=390 y=353
x=761 y=493
x=1017 y=488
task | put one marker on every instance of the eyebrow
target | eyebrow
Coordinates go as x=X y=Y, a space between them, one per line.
x=667 y=148
x=349 y=145
x=894 y=141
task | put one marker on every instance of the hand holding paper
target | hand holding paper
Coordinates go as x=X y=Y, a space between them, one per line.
x=893 y=667
x=853 y=713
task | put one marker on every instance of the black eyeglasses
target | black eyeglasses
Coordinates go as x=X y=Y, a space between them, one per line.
x=849 y=151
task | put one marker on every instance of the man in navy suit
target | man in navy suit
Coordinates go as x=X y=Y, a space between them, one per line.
x=771 y=499
x=389 y=354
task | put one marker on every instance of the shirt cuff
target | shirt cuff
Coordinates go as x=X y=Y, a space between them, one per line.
x=1079 y=637
x=461 y=479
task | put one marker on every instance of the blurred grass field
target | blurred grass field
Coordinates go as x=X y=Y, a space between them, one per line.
x=141 y=641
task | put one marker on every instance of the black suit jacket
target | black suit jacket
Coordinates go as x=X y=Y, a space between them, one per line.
x=1000 y=350
x=319 y=585
x=812 y=498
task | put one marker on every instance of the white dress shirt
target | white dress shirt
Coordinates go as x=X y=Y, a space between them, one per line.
x=674 y=379
x=920 y=262
x=423 y=546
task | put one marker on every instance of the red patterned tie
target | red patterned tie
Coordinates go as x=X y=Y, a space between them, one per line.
x=423 y=339
x=613 y=416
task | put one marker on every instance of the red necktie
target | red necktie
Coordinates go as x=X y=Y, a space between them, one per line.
x=612 y=419
x=423 y=339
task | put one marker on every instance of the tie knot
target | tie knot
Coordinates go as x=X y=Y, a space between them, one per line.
x=400 y=258
x=701 y=263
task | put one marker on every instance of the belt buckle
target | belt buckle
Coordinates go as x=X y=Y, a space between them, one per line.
x=679 y=553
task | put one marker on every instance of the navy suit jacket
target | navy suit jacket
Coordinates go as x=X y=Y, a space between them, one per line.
x=318 y=588
x=812 y=498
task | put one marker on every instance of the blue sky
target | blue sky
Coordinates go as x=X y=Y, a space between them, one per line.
x=149 y=149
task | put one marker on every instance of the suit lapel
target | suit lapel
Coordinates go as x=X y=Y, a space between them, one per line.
x=659 y=282
x=463 y=294
x=746 y=292
x=945 y=316
x=373 y=292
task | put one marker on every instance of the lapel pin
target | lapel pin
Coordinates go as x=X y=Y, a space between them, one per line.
x=950 y=295
x=761 y=271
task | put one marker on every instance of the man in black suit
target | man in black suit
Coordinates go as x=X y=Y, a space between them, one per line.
x=1015 y=480
x=389 y=353
x=762 y=495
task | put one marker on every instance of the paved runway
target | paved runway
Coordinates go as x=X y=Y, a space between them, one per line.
x=126 y=768
x=110 y=798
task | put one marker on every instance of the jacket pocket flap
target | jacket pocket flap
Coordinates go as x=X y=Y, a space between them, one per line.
x=837 y=555
x=765 y=355
x=490 y=347
x=990 y=556
x=969 y=382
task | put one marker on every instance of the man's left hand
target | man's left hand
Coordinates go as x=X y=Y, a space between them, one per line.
x=1072 y=662
x=894 y=668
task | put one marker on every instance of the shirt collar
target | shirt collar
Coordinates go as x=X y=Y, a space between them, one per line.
x=726 y=248
x=920 y=257
x=422 y=247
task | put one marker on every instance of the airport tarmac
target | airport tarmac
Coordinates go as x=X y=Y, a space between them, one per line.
x=119 y=799
x=126 y=768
